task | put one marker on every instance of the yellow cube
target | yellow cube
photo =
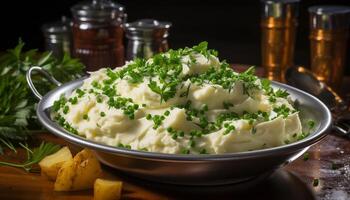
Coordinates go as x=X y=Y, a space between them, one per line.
x=107 y=190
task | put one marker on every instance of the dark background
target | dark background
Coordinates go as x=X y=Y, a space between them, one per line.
x=231 y=27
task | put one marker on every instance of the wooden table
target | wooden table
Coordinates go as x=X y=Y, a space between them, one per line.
x=329 y=161
x=295 y=181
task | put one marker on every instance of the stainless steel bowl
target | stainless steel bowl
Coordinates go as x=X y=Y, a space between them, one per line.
x=192 y=169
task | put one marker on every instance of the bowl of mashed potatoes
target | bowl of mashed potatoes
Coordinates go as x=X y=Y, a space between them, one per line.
x=186 y=117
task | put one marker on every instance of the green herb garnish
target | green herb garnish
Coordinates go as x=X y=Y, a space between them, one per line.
x=34 y=156
x=203 y=151
x=311 y=124
x=283 y=110
x=185 y=151
x=17 y=102
x=86 y=117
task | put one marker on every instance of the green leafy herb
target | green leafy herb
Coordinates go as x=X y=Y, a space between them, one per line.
x=266 y=84
x=283 y=110
x=281 y=93
x=17 y=102
x=34 y=156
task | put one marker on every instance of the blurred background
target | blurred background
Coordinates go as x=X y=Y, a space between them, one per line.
x=231 y=27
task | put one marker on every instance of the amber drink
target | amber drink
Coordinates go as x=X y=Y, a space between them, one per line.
x=329 y=29
x=278 y=26
x=98 y=34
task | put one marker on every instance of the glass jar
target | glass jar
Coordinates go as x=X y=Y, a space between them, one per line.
x=329 y=33
x=58 y=37
x=98 y=34
x=278 y=26
x=146 y=37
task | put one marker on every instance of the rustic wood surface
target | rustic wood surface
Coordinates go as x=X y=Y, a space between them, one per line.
x=329 y=161
x=295 y=181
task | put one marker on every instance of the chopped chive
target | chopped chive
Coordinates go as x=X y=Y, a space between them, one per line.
x=148 y=116
x=181 y=133
x=166 y=113
x=65 y=109
x=169 y=129
x=311 y=124
x=192 y=143
x=185 y=151
x=203 y=151
x=174 y=136
x=85 y=116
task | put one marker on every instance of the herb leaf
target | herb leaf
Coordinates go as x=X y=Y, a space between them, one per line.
x=17 y=102
x=34 y=156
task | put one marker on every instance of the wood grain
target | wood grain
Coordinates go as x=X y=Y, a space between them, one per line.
x=295 y=179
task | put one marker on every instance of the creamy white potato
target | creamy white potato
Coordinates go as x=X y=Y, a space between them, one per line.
x=183 y=101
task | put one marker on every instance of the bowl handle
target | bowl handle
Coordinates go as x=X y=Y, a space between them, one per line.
x=43 y=72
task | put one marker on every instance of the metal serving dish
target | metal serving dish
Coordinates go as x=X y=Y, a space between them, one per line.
x=192 y=169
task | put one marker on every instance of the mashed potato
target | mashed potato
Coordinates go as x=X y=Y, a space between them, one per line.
x=183 y=101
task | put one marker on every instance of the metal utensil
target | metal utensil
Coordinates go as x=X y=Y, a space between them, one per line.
x=305 y=80
x=194 y=169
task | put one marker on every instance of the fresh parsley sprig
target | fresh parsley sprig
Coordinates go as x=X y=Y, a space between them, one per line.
x=17 y=103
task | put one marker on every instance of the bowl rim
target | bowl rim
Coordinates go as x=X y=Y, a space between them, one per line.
x=314 y=137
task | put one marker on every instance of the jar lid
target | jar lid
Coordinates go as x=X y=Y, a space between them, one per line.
x=146 y=29
x=58 y=27
x=280 y=8
x=329 y=17
x=97 y=10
